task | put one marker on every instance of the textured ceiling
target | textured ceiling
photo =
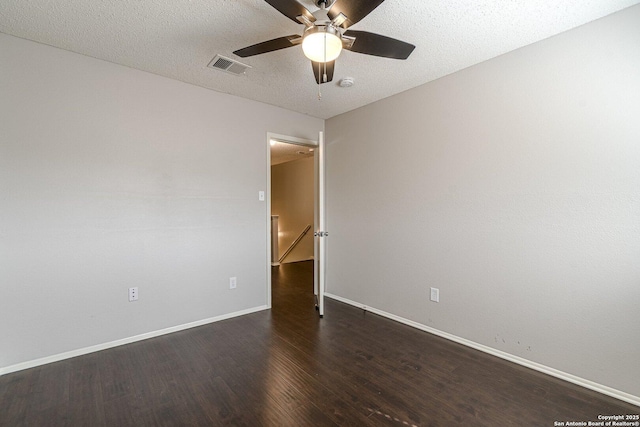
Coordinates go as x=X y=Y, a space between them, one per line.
x=178 y=38
x=283 y=153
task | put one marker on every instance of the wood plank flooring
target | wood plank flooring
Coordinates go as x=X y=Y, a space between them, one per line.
x=287 y=367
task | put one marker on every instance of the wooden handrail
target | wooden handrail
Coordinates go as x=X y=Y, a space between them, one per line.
x=295 y=242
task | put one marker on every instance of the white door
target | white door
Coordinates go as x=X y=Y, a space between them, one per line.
x=320 y=233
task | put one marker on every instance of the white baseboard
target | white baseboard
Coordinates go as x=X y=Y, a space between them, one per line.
x=129 y=340
x=621 y=395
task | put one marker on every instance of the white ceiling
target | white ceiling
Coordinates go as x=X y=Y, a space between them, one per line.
x=178 y=38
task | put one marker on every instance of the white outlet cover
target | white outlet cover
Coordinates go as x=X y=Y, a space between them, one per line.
x=435 y=294
x=233 y=282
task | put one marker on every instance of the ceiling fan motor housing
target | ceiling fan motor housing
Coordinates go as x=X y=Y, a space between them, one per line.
x=327 y=3
x=322 y=16
x=322 y=28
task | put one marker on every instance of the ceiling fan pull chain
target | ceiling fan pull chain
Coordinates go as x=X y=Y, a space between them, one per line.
x=319 y=93
x=324 y=75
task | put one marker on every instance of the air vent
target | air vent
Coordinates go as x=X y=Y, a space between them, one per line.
x=228 y=65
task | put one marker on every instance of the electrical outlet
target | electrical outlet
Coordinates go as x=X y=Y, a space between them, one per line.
x=233 y=282
x=435 y=294
x=133 y=294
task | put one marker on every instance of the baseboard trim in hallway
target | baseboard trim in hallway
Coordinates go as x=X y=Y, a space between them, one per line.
x=591 y=385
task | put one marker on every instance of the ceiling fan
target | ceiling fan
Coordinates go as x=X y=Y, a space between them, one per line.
x=326 y=34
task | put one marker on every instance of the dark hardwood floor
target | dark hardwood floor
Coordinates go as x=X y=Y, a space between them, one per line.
x=287 y=367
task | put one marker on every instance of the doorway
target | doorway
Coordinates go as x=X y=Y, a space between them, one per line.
x=292 y=196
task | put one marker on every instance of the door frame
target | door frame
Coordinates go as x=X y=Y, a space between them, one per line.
x=286 y=139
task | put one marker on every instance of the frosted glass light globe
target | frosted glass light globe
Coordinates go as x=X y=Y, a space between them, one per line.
x=321 y=46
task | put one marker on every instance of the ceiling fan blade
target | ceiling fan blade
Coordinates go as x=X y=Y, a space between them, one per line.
x=354 y=10
x=268 y=46
x=377 y=45
x=291 y=9
x=319 y=71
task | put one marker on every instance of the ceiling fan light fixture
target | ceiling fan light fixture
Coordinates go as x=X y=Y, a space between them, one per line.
x=322 y=44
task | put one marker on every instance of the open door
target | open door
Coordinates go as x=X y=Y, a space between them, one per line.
x=319 y=249
x=320 y=233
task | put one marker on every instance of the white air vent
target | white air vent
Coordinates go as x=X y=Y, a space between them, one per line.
x=228 y=65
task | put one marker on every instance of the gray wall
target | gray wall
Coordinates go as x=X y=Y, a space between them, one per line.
x=512 y=186
x=112 y=178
